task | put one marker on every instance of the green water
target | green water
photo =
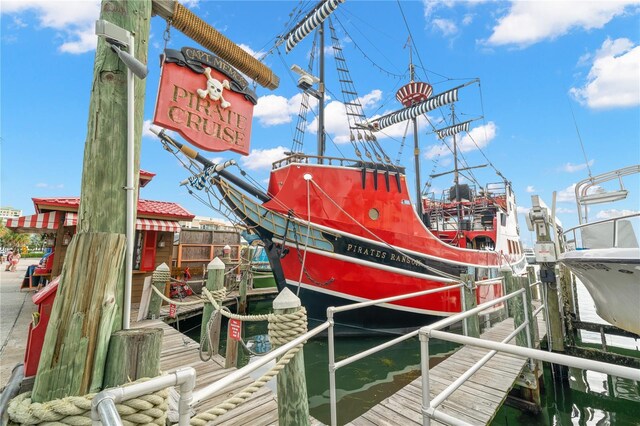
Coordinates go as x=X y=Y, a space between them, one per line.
x=587 y=399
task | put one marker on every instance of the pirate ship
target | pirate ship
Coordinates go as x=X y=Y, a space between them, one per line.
x=340 y=230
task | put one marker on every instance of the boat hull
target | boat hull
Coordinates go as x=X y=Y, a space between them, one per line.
x=612 y=277
x=371 y=245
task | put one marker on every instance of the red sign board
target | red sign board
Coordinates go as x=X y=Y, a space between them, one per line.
x=205 y=100
x=172 y=310
x=235 y=329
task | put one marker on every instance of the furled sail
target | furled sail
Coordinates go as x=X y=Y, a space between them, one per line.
x=413 y=111
x=315 y=18
x=453 y=130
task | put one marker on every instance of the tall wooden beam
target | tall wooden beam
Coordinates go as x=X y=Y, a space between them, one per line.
x=89 y=304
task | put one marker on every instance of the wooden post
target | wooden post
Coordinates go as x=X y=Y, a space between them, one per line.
x=293 y=406
x=535 y=291
x=568 y=305
x=89 y=303
x=215 y=282
x=231 y=355
x=516 y=306
x=133 y=354
x=553 y=308
x=245 y=270
x=77 y=339
x=160 y=277
x=470 y=302
x=533 y=322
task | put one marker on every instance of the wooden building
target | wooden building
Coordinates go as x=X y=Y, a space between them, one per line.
x=156 y=225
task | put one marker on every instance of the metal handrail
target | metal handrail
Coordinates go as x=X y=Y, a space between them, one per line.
x=430 y=411
x=333 y=365
x=586 y=225
x=103 y=405
x=217 y=386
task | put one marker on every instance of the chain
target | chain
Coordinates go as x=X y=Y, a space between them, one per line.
x=166 y=36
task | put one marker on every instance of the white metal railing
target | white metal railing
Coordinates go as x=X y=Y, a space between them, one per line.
x=614 y=237
x=334 y=366
x=430 y=406
x=430 y=411
x=103 y=405
x=462 y=316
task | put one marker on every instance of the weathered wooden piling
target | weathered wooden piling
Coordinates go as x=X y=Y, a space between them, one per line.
x=215 y=282
x=133 y=354
x=245 y=270
x=293 y=405
x=516 y=306
x=159 y=279
x=83 y=314
x=471 y=324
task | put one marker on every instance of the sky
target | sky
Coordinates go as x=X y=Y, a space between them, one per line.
x=558 y=97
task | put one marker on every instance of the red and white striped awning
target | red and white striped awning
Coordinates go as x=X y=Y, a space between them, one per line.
x=141 y=224
x=35 y=222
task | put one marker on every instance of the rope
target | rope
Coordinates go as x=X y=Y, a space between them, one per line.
x=76 y=410
x=195 y=28
x=203 y=418
x=282 y=329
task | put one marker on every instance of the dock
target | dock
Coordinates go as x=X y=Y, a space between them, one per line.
x=179 y=351
x=477 y=401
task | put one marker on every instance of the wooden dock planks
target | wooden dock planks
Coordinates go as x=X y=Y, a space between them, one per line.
x=475 y=402
x=179 y=351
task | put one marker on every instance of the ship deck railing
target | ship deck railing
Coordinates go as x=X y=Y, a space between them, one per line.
x=599 y=235
x=300 y=158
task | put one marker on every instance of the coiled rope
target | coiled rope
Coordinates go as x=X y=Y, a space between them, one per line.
x=76 y=410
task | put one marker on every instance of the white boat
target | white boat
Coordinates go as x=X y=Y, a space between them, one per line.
x=605 y=254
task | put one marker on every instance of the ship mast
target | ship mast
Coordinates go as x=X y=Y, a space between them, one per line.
x=416 y=147
x=456 y=175
x=321 y=135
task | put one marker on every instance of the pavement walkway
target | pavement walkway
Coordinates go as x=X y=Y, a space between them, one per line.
x=16 y=308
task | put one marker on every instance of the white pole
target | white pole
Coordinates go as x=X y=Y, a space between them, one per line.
x=130 y=187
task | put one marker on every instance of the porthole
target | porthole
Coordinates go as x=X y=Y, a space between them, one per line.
x=374 y=214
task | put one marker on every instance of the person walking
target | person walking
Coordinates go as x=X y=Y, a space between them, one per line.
x=14 y=260
x=9 y=257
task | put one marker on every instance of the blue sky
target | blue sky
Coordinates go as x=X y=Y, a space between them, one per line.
x=539 y=62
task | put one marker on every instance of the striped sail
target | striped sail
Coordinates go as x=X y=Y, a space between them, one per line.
x=453 y=130
x=311 y=23
x=414 y=111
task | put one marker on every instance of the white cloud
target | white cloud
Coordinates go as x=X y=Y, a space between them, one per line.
x=613 y=78
x=522 y=210
x=572 y=168
x=49 y=185
x=567 y=195
x=263 y=158
x=608 y=214
x=73 y=19
x=250 y=51
x=446 y=26
x=529 y=22
x=273 y=109
x=530 y=189
x=478 y=137
x=335 y=117
x=564 y=210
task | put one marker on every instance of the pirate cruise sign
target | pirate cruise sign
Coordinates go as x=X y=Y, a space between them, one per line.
x=205 y=100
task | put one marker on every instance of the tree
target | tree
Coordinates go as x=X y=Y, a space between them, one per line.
x=11 y=239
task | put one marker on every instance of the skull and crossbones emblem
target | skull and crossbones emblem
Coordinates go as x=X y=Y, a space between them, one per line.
x=214 y=89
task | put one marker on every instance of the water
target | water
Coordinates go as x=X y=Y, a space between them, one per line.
x=588 y=398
